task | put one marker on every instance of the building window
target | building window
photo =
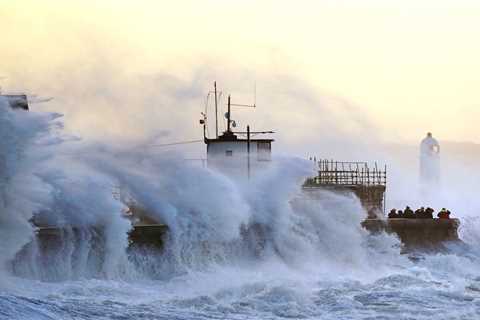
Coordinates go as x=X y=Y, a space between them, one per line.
x=264 y=150
x=229 y=153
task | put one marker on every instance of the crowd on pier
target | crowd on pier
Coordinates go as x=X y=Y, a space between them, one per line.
x=421 y=213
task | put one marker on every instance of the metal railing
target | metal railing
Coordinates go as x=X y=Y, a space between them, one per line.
x=349 y=174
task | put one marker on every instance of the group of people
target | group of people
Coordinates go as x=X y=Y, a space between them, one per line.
x=422 y=213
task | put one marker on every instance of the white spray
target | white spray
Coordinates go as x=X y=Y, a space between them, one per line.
x=22 y=192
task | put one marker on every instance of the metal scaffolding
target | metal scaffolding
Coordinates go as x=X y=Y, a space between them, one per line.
x=342 y=173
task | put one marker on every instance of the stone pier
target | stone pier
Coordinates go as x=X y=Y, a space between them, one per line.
x=417 y=233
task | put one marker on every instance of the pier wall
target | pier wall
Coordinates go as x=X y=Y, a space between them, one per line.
x=417 y=233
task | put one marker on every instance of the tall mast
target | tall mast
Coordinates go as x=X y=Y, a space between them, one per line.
x=216 y=110
x=228 y=115
x=248 y=152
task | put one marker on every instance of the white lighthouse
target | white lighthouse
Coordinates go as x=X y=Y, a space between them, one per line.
x=430 y=161
x=236 y=152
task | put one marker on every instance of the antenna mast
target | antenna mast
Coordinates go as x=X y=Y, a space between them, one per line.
x=216 y=110
x=228 y=115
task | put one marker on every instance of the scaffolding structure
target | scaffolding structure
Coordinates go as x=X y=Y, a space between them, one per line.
x=368 y=183
x=343 y=173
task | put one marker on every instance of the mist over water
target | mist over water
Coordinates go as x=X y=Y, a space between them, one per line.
x=313 y=260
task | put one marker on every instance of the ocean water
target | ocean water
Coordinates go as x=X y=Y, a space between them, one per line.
x=313 y=260
x=438 y=287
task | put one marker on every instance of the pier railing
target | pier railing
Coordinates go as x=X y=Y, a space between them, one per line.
x=343 y=173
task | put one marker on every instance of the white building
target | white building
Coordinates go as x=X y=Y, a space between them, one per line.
x=235 y=152
x=429 y=161
x=238 y=156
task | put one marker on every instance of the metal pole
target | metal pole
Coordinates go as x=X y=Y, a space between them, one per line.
x=216 y=109
x=385 y=193
x=205 y=132
x=228 y=115
x=248 y=151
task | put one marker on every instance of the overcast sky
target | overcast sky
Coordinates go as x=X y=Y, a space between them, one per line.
x=332 y=70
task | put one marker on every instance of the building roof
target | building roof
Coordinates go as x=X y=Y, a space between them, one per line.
x=16 y=101
x=229 y=136
x=236 y=140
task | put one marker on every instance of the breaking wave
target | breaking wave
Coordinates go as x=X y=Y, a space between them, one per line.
x=234 y=249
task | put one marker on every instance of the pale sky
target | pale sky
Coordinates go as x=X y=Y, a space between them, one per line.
x=389 y=69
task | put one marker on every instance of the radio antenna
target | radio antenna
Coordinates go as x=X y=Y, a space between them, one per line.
x=216 y=109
